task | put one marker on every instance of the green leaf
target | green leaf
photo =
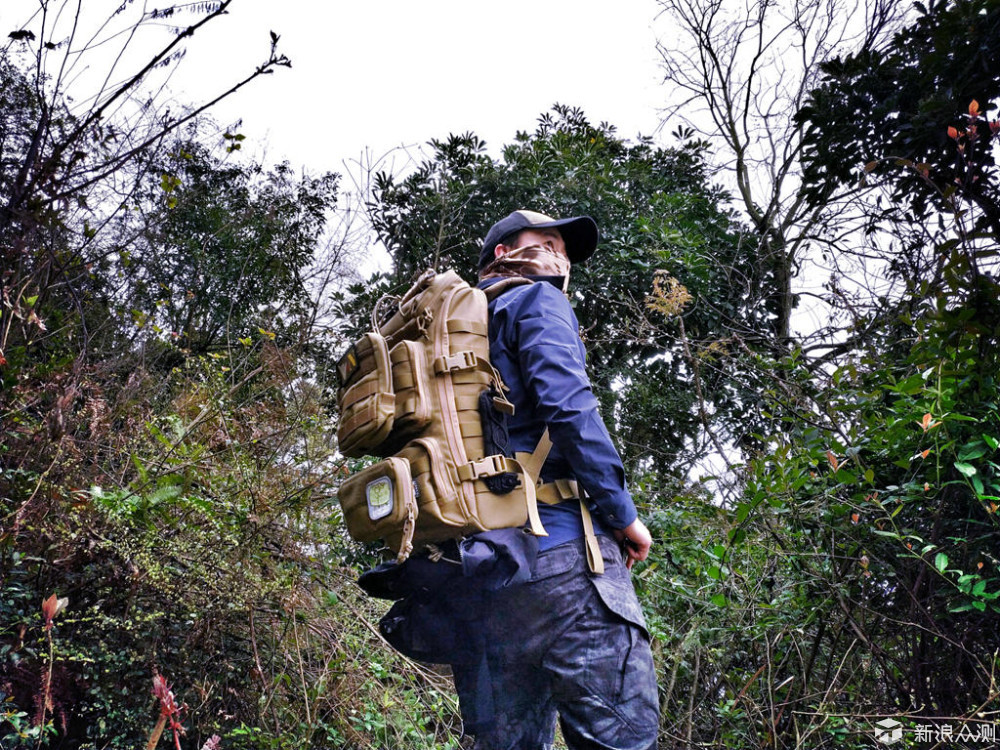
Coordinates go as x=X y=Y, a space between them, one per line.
x=972 y=451
x=966 y=469
x=941 y=561
x=991 y=441
x=719 y=600
x=890 y=534
x=961 y=418
x=977 y=485
x=846 y=477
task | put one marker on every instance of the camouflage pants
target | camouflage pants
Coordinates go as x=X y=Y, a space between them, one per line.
x=571 y=644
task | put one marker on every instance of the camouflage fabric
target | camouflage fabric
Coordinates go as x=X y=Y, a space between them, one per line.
x=573 y=645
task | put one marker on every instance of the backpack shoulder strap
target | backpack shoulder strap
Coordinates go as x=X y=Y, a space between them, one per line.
x=496 y=289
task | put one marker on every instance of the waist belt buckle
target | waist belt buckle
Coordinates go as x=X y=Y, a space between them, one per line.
x=567 y=488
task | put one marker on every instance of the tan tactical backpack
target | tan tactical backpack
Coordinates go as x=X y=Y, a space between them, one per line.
x=411 y=393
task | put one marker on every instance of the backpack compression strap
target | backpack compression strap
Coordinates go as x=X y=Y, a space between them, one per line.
x=497 y=464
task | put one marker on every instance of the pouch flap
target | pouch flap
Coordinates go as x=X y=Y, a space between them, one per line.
x=378 y=501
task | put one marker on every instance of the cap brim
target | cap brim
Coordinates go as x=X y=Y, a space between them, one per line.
x=579 y=233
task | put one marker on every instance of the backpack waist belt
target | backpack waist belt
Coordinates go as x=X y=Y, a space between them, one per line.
x=561 y=490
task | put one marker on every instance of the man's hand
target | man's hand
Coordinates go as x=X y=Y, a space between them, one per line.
x=636 y=540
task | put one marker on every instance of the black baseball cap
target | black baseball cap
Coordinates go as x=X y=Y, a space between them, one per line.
x=579 y=233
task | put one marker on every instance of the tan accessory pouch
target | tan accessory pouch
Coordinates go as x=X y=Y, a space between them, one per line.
x=379 y=503
x=409 y=381
x=367 y=400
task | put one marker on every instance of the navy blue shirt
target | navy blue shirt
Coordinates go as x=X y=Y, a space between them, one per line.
x=535 y=345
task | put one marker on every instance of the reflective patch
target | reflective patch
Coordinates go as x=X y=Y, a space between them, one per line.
x=380 y=499
x=348 y=365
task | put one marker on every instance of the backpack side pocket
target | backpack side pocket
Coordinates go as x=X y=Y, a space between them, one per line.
x=379 y=503
x=368 y=402
x=442 y=513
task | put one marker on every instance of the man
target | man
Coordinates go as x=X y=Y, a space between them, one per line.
x=569 y=641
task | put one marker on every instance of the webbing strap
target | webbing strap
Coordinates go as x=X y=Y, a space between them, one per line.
x=409 y=526
x=486 y=467
x=470 y=424
x=553 y=493
x=406 y=406
x=493 y=465
x=528 y=480
x=495 y=289
x=467 y=326
x=463 y=360
x=594 y=559
x=368 y=413
x=467 y=403
x=362 y=390
x=534 y=461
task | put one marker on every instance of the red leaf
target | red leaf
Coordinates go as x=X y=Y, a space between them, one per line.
x=52 y=607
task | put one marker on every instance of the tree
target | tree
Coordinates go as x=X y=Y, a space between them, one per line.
x=902 y=111
x=908 y=116
x=175 y=506
x=740 y=74
x=658 y=213
x=224 y=246
x=66 y=169
x=854 y=560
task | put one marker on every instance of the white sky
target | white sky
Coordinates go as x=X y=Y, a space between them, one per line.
x=370 y=76
x=384 y=73
x=379 y=74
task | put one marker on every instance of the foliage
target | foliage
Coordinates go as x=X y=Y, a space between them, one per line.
x=214 y=558
x=850 y=572
x=175 y=493
x=223 y=245
x=657 y=212
x=893 y=105
x=857 y=575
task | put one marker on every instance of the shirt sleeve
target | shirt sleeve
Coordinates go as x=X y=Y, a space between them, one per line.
x=553 y=367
